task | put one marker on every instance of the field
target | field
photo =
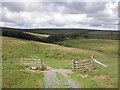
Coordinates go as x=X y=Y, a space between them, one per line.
x=94 y=34
x=38 y=35
x=16 y=75
x=109 y=51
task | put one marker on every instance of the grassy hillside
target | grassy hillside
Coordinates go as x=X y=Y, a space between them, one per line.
x=109 y=51
x=17 y=75
x=102 y=45
x=95 y=34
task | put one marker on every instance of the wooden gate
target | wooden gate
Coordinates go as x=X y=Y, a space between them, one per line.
x=34 y=62
x=82 y=66
x=85 y=65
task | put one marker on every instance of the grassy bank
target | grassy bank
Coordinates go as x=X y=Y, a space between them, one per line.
x=16 y=75
x=109 y=51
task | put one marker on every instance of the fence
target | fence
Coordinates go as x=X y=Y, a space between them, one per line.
x=82 y=66
x=85 y=65
x=34 y=62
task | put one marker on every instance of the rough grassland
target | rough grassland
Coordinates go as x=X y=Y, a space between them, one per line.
x=15 y=74
x=106 y=77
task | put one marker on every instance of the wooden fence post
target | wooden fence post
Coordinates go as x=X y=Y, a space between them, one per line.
x=74 y=64
x=41 y=64
x=98 y=62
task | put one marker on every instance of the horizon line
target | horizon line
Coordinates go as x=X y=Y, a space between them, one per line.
x=61 y=28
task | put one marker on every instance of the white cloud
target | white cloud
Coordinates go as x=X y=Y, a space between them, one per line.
x=58 y=14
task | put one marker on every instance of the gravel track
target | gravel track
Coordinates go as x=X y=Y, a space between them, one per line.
x=52 y=81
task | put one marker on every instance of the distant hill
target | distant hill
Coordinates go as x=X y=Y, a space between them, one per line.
x=88 y=33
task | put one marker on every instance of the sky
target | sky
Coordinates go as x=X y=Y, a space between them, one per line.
x=63 y=14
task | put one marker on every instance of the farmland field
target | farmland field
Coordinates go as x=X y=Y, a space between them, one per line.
x=16 y=75
x=39 y=35
x=109 y=51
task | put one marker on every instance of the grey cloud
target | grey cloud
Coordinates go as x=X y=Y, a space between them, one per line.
x=83 y=7
x=31 y=12
x=27 y=6
x=104 y=20
x=118 y=9
x=14 y=6
x=95 y=10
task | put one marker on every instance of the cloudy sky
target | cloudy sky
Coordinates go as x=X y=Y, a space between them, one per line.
x=36 y=14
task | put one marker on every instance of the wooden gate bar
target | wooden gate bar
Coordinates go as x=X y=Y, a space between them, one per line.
x=82 y=66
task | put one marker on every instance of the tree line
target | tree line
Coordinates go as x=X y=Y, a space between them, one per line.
x=19 y=34
x=51 y=39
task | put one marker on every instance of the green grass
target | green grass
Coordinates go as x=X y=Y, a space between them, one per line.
x=14 y=73
x=22 y=79
x=99 y=45
x=60 y=76
x=52 y=55
x=87 y=82
x=58 y=57
x=109 y=51
x=39 y=35
x=61 y=83
x=97 y=78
